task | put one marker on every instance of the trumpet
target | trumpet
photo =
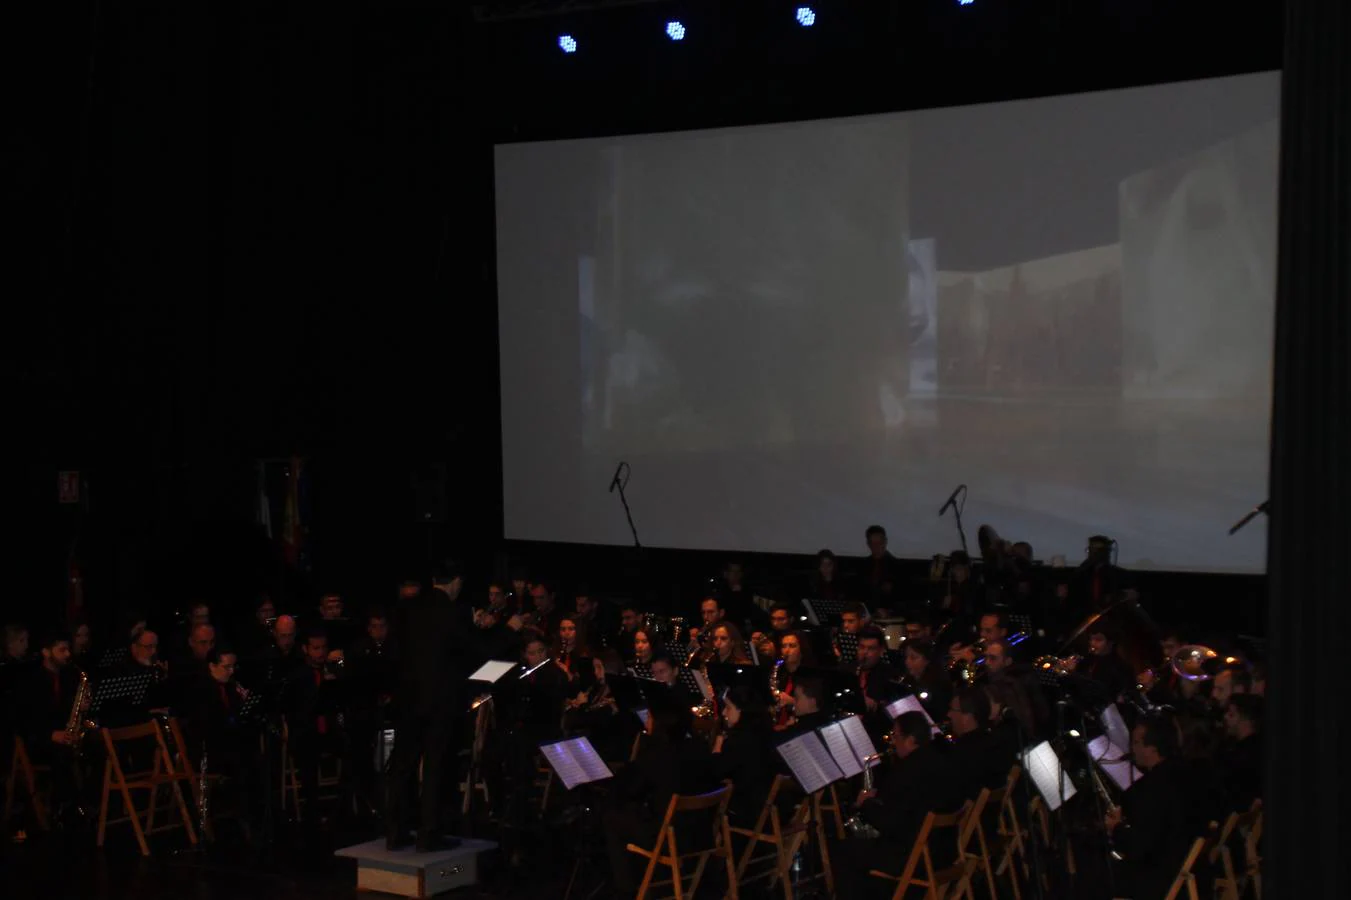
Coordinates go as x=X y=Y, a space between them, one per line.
x=969 y=671
x=855 y=826
x=1057 y=665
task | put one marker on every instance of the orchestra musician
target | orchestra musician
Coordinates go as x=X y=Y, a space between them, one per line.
x=701 y=636
x=642 y=651
x=728 y=647
x=918 y=781
x=217 y=734
x=929 y=683
x=1104 y=664
x=876 y=681
x=571 y=655
x=881 y=574
x=795 y=652
x=665 y=671
x=744 y=752
x=44 y=697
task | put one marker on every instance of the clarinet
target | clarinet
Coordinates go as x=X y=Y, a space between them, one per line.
x=202 y=802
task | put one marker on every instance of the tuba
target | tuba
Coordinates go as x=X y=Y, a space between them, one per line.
x=1197 y=663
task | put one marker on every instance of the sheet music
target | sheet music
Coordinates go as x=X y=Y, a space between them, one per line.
x=859 y=741
x=1116 y=729
x=1043 y=766
x=1109 y=758
x=492 y=671
x=910 y=704
x=840 y=751
x=576 y=762
x=643 y=715
x=810 y=762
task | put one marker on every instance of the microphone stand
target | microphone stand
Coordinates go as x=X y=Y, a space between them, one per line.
x=957 y=515
x=1259 y=509
x=620 y=484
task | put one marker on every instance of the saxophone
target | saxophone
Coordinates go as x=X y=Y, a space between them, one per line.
x=76 y=722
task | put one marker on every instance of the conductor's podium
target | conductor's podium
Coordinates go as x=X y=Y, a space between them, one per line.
x=410 y=874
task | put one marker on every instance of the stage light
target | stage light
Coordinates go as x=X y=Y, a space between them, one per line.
x=567 y=43
x=806 y=16
x=965 y=2
x=675 y=31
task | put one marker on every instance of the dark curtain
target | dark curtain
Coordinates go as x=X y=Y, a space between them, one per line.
x=1309 y=537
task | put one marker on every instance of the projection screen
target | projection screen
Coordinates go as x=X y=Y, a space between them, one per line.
x=791 y=332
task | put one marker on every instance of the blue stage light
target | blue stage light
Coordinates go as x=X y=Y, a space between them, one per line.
x=675 y=31
x=965 y=2
x=806 y=16
x=567 y=43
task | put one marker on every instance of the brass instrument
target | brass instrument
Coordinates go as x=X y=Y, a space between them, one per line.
x=969 y=671
x=76 y=723
x=776 y=681
x=1108 y=803
x=1059 y=666
x=203 y=805
x=855 y=826
x=1197 y=663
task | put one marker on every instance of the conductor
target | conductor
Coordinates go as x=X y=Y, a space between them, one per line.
x=435 y=636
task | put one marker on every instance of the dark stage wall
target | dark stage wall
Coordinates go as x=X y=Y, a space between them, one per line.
x=256 y=229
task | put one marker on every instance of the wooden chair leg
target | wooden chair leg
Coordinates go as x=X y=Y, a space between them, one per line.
x=674 y=865
x=646 y=883
x=103 y=801
x=133 y=816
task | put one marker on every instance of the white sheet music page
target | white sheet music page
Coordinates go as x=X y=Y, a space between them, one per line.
x=1115 y=727
x=565 y=764
x=705 y=689
x=590 y=761
x=858 y=739
x=492 y=671
x=840 y=751
x=1044 y=768
x=1109 y=758
x=804 y=758
x=910 y=704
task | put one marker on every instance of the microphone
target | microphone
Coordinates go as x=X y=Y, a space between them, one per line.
x=952 y=500
x=1252 y=514
x=614 y=482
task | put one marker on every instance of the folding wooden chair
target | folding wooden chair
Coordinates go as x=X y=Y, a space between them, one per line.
x=956 y=877
x=667 y=853
x=784 y=839
x=161 y=772
x=23 y=772
x=832 y=807
x=1230 y=884
x=290 y=779
x=1185 y=877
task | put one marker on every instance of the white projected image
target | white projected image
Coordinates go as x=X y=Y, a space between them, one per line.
x=793 y=331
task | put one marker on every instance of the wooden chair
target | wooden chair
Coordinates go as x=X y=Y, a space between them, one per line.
x=1200 y=847
x=956 y=877
x=161 y=772
x=23 y=772
x=290 y=779
x=667 y=853
x=1230 y=884
x=832 y=807
x=784 y=839
x=974 y=828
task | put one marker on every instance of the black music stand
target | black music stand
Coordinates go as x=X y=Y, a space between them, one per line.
x=129 y=688
x=814 y=769
x=112 y=658
x=691 y=683
x=825 y=612
x=848 y=644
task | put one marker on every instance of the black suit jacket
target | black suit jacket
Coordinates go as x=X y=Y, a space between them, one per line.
x=435 y=654
x=980 y=760
x=747 y=759
x=1154 y=836
x=663 y=769
x=309 y=699
x=922 y=783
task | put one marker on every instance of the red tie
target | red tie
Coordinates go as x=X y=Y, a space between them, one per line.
x=318 y=682
x=863 y=680
x=224 y=698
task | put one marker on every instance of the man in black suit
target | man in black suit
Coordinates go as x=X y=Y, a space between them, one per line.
x=670 y=762
x=434 y=657
x=920 y=781
x=880 y=575
x=1153 y=827
x=1241 y=760
x=876 y=681
x=314 y=703
x=977 y=758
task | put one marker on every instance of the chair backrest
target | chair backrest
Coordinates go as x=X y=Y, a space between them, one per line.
x=681 y=812
x=1199 y=848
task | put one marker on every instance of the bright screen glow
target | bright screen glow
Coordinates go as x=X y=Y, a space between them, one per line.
x=794 y=331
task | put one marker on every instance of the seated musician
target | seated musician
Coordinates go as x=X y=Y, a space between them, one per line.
x=314 y=701
x=744 y=753
x=1000 y=666
x=1241 y=759
x=781 y=620
x=143 y=660
x=533 y=707
x=875 y=681
x=630 y=623
x=929 y=683
x=642 y=651
x=595 y=712
x=728 y=646
x=1104 y=664
x=962 y=595
x=701 y=636
x=1011 y=721
x=593 y=619
x=795 y=652
x=1229 y=682
x=572 y=656
x=1153 y=827
x=218 y=736
x=373 y=676
x=994 y=626
x=335 y=623
x=44 y=697
x=283 y=655
x=665 y=671
x=670 y=762
x=543 y=614
x=979 y=759
x=809 y=707
x=826 y=583
x=919 y=780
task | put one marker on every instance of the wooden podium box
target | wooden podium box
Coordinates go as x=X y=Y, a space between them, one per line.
x=410 y=874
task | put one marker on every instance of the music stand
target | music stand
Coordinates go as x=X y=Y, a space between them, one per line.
x=575 y=762
x=820 y=612
x=910 y=703
x=841 y=750
x=848 y=644
x=814 y=769
x=640 y=670
x=129 y=688
x=1113 y=761
x=112 y=658
x=691 y=682
x=1043 y=766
